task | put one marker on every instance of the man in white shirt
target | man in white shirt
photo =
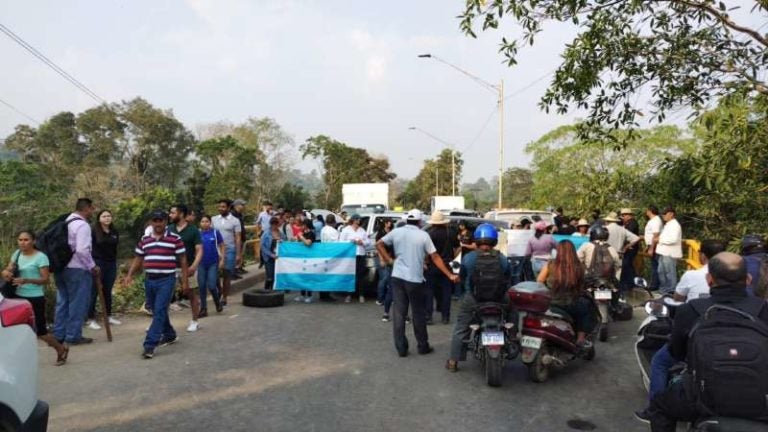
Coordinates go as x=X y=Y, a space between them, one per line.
x=693 y=284
x=357 y=235
x=652 y=232
x=669 y=249
x=229 y=227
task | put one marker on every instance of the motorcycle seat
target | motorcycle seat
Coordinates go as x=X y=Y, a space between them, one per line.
x=556 y=312
x=729 y=424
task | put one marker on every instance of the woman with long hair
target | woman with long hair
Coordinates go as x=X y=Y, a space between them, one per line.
x=105 y=239
x=540 y=247
x=211 y=264
x=565 y=278
x=28 y=272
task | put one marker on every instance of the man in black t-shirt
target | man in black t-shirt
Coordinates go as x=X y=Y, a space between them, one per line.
x=439 y=288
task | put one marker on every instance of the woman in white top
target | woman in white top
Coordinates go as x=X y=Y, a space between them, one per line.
x=582 y=229
x=357 y=234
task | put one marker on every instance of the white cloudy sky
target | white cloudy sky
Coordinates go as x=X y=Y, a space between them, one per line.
x=343 y=68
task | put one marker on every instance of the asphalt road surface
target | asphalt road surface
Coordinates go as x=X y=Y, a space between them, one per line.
x=323 y=367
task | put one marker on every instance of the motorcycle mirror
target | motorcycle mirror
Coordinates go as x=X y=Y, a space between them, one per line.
x=656 y=309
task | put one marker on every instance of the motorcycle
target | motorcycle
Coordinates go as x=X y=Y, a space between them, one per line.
x=610 y=304
x=547 y=334
x=491 y=340
x=653 y=333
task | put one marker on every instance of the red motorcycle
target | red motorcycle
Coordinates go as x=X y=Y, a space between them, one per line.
x=547 y=334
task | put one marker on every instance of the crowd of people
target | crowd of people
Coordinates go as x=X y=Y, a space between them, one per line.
x=414 y=275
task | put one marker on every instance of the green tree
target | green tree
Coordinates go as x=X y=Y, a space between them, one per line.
x=722 y=188
x=343 y=164
x=101 y=130
x=518 y=187
x=584 y=175
x=292 y=196
x=434 y=178
x=680 y=52
x=231 y=166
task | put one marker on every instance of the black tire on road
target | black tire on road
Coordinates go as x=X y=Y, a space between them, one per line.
x=493 y=370
x=603 y=334
x=256 y=297
x=538 y=372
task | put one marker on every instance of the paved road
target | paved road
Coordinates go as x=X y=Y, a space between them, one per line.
x=321 y=367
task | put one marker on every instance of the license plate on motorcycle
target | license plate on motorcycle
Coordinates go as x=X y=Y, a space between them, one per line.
x=531 y=342
x=492 y=338
x=603 y=295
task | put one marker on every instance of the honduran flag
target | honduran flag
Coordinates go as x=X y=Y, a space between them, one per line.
x=320 y=267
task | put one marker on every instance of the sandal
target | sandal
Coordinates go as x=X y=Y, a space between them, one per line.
x=452 y=365
x=62 y=357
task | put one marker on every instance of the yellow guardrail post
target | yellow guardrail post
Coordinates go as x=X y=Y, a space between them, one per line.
x=691 y=249
x=255 y=242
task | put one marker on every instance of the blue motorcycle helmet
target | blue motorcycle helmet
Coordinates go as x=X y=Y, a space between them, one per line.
x=486 y=234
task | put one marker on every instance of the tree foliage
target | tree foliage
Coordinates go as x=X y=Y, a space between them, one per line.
x=435 y=178
x=680 y=52
x=343 y=164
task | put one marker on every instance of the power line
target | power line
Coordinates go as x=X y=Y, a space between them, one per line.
x=522 y=89
x=40 y=56
x=479 y=134
x=20 y=112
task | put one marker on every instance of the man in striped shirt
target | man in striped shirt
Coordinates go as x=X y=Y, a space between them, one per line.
x=158 y=252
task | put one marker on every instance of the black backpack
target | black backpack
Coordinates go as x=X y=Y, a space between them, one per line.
x=54 y=242
x=487 y=277
x=601 y=266
x=728 y=359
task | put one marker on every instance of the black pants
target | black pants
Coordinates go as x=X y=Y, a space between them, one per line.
x=628 y=270
x=409 y=293
x=583 y=313
x=361 y=271
x=438 y=290
x=674 y=404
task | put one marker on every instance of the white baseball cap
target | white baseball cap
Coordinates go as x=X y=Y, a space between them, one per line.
x=414 y=214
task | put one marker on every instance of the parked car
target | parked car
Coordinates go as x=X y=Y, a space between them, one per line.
x=510 y=215
x=20 y=408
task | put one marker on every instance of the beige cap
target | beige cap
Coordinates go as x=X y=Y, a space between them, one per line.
x=612 y=217
x=438 y=218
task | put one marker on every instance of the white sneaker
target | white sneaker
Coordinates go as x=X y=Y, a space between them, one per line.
x=93 y=325
x=308 y=299
x=299 y=299
x=174 y=307
x=362 y=299
x=184 y=303
x=378 y=303
x=115 y=321
x=193 y=326
x=348 y=299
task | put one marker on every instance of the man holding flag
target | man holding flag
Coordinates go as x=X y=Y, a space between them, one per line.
x=411 y=246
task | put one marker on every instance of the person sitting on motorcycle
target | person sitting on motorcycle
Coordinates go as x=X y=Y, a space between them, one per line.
x=486 y=238
x=728 y=279
x=692 y=285
x=564 y=277
x=598 y=236
x=754 y=252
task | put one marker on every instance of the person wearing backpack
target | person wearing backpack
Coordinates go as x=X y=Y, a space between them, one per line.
x=724 y=340
x=600 y=259
x=487 y=272
x=75 y=281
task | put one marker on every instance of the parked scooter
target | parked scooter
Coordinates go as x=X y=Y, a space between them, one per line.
x=652 y=334
x=491 y=340
x=547 y=333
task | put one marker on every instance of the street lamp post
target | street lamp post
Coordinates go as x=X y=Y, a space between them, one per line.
x=453 y=155
x=499 y=90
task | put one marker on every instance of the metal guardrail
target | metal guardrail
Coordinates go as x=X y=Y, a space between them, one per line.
x=255 y=242
x=691 y=249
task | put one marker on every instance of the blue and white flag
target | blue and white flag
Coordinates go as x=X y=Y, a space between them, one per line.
x=320 y=267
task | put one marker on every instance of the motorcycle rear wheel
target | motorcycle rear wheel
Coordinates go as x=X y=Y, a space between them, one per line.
x=493 y=370
x=603 y=333
x=538 y=372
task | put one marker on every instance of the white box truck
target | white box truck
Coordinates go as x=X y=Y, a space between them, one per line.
x=447 y=203
x=365 y=197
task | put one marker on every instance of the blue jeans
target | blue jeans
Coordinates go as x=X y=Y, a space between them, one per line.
x=159 y=293
x=206 y=281
x=538 y=264
x=73 y=294
x=230 y=258
x=383 y=286
x=660 y=364
x=108 y=276
x=667 y=274
x=516 y=269
x=269 y=267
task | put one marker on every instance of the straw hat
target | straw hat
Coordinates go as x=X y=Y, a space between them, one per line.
x=612 y=217
x=583 y=222
x=438 y=218
x=626 y=211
